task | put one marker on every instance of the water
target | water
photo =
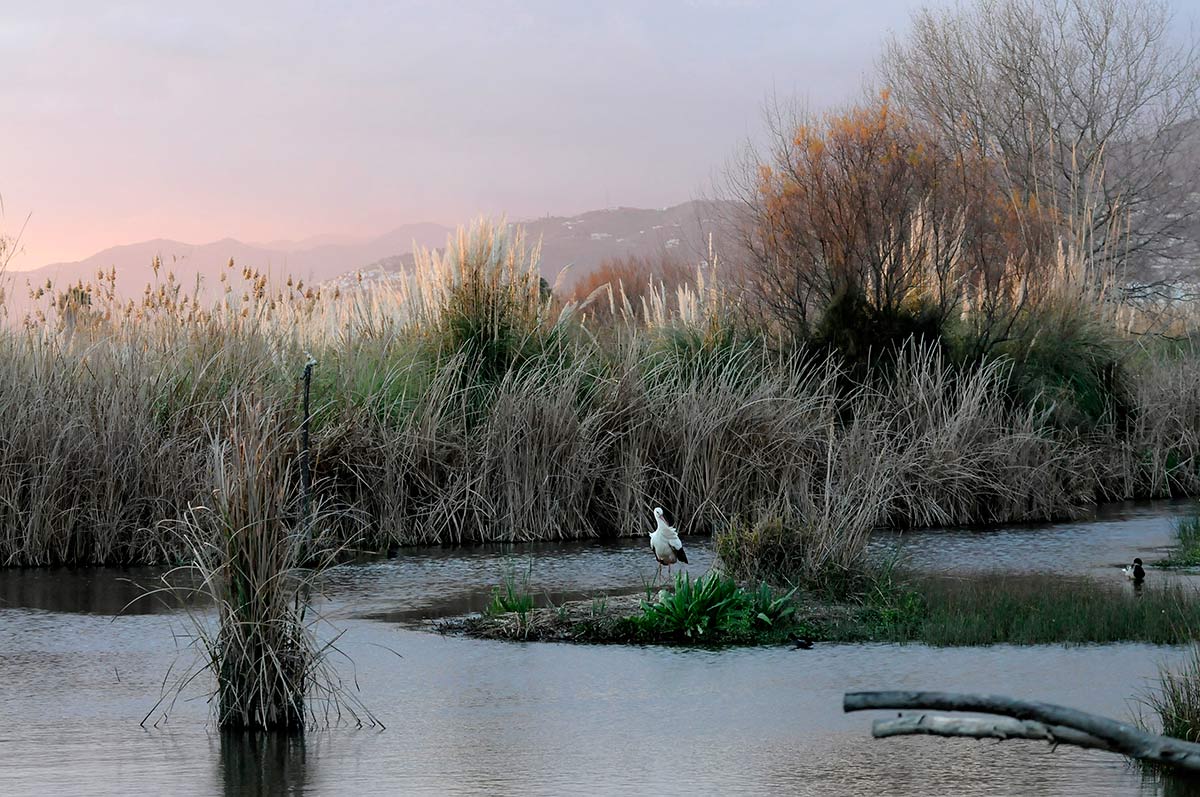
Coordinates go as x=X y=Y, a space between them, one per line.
x=476 y=717
x=1109 y=538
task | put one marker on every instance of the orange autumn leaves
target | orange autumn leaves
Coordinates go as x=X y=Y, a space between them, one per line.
x=867 y=201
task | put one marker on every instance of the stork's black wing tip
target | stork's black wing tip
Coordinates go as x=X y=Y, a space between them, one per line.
x=681 y=555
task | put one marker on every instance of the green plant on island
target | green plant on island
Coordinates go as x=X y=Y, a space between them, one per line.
x=713 y=610
x=1186 y=551
x=512 y=595
x=1010 y=609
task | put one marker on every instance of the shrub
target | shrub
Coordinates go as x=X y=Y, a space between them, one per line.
x=713 y=609
x=865 y=222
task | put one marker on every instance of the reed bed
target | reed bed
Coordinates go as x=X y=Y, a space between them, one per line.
x=1013 y=610
x=462 y=402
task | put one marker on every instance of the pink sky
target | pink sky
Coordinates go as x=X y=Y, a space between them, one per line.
x=272 y=120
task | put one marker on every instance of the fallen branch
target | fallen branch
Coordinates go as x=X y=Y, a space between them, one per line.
x=1026 y=720
x=997 y=728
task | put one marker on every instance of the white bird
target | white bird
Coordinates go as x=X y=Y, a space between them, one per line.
x=665 y=543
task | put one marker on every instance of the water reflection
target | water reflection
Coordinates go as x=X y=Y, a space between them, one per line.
x=421 y=583
x=1098 y=545
x=267 y=764
x=1175 y=785
x=96 y=590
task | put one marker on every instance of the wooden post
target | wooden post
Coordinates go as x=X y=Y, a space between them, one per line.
x=306 y=457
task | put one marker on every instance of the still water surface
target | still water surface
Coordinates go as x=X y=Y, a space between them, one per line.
x=475 y=717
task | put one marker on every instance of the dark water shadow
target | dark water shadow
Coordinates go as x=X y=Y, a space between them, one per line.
x=98 y=590
x=1174 y=785
x=266 y=764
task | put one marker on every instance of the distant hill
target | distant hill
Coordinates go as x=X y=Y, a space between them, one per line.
x=580 y=243
x=574 y=245
x=571 y=247
x=314 y=260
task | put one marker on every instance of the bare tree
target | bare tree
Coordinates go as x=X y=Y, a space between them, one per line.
x=1087 y=102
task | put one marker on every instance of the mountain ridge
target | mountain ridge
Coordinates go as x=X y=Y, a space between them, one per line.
x=570 y=247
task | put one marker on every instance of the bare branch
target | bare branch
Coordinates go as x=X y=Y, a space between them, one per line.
x=1089 y=103
x=1064 y=725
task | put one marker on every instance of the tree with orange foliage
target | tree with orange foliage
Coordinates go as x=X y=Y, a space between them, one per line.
x=864 y=218
x=629 y=279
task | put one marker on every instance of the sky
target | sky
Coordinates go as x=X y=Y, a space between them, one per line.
x=126 y=121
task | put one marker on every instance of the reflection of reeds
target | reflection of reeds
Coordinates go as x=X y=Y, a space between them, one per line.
x=263 y=763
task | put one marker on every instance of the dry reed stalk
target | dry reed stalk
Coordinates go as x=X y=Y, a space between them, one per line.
x=251 y=554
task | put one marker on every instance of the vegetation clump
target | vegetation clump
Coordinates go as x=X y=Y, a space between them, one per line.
x=885 y=605
x=254 y=556
x=711 y=610
x=1013 y=610
x=1176 y=700
x=1186 y=552
x=511 y=595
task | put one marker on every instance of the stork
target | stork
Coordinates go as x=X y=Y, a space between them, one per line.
x=665 y=543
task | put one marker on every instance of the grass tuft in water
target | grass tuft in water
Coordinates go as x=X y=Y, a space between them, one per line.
x=512 y=595
x=1176 y=701
x=1186 y=552
x=251 y=553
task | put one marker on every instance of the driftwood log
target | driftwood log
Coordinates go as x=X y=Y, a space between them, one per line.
x=1020 y=719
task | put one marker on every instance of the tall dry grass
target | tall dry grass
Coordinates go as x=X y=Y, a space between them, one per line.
x=464 y=403
x=970 y=455
x=255 y=554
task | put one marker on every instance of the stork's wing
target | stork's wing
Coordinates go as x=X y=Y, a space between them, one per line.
x=677 y=545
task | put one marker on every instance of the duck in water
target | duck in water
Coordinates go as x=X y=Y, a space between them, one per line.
x=1135 y=572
